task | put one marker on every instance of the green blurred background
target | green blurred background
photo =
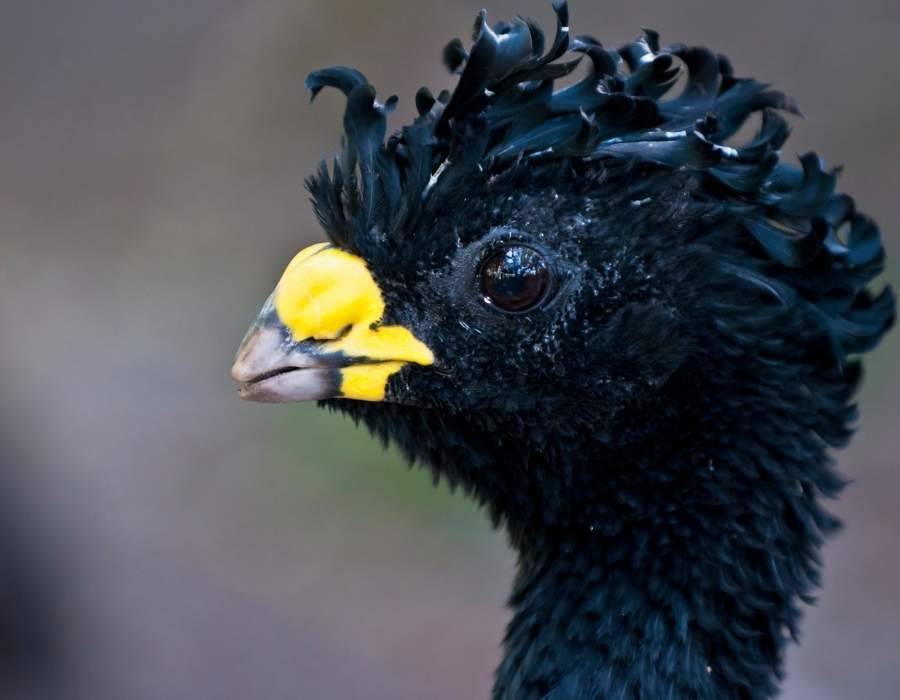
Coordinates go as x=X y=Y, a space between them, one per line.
x=152 y=156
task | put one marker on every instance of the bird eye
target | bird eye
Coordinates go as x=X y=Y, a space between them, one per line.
x=514 y=278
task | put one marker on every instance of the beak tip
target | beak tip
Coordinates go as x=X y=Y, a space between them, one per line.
x=251 y=357
x=240 y=372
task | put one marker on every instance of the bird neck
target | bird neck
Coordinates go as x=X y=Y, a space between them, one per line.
x=587 y=627
x=674 y=580
x=590 y=621
x=662 y=553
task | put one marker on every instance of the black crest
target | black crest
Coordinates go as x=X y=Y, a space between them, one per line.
x=811 y=245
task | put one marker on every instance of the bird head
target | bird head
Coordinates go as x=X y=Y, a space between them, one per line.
x=594 y=262
x=528 y=295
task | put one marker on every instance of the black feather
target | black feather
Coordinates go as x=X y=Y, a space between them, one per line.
x=621 y=110
x=454 y=55
x=657 y=444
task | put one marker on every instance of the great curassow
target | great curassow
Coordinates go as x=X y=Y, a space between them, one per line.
x=630 y=338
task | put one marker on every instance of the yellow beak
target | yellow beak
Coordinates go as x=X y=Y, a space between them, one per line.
x=319 y=335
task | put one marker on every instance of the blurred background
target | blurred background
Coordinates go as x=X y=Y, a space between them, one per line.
x=159 y=538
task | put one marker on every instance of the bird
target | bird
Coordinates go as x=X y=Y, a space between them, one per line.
x=610 y=311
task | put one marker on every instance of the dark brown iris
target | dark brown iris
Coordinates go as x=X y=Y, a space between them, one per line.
x=514 y=278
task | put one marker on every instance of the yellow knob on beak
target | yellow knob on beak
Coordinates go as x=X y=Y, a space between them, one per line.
x=319 y=335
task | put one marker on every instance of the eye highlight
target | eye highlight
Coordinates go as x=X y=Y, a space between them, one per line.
x=514 y=278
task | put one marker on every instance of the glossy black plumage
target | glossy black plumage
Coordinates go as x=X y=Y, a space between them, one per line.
x=655 y=437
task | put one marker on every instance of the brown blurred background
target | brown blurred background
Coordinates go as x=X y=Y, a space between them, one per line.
x=162 y=539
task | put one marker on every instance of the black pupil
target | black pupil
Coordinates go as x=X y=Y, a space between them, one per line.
x=514 y=278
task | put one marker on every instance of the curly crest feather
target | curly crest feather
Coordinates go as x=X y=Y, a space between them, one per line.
x=810 y=245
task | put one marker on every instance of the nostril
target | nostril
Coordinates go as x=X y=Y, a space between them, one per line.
x=334 y=336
